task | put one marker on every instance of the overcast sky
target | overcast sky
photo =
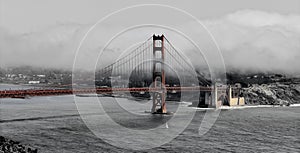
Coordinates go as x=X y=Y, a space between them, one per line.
x=259 y=35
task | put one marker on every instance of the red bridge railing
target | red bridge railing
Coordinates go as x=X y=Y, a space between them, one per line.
x=49 y=92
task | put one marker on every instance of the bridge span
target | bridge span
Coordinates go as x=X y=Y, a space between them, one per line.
x=154 y=59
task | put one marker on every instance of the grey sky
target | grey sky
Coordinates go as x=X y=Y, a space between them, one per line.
x=27 y=15
x=261 y=35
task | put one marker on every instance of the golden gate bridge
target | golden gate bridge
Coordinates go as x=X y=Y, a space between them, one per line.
x=148 y=68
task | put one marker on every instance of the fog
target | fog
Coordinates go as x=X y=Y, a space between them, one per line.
x=249 y=40
x=259 y=41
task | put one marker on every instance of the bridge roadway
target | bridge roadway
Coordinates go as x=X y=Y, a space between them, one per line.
x=50 y=92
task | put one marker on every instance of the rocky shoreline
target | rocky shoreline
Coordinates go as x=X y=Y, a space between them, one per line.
x=10 y=146
x=272 y=94
x=267 y=88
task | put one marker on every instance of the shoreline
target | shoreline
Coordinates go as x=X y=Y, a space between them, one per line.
x=246 y=106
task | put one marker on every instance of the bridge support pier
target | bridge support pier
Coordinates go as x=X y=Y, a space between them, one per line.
x=229 y=94
x=207 y=101
x=215 y=96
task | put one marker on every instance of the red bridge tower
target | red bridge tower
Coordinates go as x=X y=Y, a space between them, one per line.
x=158 y=79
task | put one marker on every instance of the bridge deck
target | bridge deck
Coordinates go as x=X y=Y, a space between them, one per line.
x=48 y=92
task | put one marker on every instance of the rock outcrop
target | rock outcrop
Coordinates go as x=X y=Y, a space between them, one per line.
x=272 y=94
x=9 y=146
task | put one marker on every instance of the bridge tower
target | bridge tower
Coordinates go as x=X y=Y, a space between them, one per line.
x=158 y=76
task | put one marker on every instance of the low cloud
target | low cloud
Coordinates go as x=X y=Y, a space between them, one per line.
x=53 y=47
x=253 y=40
x=250 y=40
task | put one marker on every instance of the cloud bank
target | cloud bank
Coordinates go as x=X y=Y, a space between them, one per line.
x=53 y=47
x=250 y=40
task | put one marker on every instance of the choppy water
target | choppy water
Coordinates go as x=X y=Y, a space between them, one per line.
x=52 y=124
